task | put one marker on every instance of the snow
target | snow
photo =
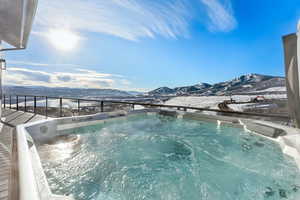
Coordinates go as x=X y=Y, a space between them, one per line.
x=138 y=107
x=239 y=107
x=271 y=89
x=244 y=98
x=213 y=101
x=67 y=103
x=192 y=101
x=242 y=107
x=201 y=102
x=274 y=89
x=55 y=103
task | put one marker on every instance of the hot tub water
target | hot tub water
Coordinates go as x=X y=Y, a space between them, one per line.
x=163 y=158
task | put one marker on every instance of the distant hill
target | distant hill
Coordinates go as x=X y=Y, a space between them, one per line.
x=67 y=92
x=245 y=84
x=162 y=91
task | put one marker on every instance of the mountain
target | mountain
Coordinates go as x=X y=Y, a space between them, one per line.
x=162 y=91
x=194 y=89
x=135 y=93
x=66 y=92
x=245 y=84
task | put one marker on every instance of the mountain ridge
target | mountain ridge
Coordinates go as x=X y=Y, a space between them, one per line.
x=65 y=91
x=244 y=84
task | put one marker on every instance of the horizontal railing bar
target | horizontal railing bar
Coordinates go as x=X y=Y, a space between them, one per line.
x=54 y=97
x=159 y=105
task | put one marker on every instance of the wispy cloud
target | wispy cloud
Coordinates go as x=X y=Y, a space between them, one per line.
x=37 y=64
x=76 y=79
x=220 y=14
x=131 y=19
x=76 y=67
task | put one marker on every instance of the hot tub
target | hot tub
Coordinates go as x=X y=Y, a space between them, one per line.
x=158 y=154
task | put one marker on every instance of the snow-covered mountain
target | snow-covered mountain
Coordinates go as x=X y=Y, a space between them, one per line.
x=67 y=92
x=162 y=91
x=194 y=89
x=250 y=83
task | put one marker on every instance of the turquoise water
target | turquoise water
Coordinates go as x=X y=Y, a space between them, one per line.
x=156 y=157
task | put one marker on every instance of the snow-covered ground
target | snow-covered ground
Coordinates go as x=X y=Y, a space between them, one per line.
x=193 y=101
x=67 y=103
x=55 y=103
x=272 y=89
x=240 y=107
x=213 y=101
x=201 y=102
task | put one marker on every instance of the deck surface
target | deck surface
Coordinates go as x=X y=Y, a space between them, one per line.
x=8 y=157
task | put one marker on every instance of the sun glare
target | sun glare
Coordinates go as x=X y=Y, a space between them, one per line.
x=63 y=39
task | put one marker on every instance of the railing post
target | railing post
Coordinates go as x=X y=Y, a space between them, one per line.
x=102 y=106
x=25 y=104
x=132 y=106
x=17 y=102
x=78 y=106
x=60 y=107
x=4 y=104
x=34 y=106
x=46 y=109
x=9 y=101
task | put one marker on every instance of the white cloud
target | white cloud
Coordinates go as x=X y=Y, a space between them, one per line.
x=77 y=79
x=131 y=19
x=36 y=64
x=75 y=67
x=220 y=14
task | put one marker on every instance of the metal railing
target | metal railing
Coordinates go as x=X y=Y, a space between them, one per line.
x=13 y=102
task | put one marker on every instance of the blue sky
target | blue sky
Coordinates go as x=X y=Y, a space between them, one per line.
x=145 y=44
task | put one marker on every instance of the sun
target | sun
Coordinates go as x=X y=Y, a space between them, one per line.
x=63 y=39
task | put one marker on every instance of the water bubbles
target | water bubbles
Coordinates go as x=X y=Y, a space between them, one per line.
x=246 y=147
x=282 y=193
x=269 y=192
x=157 y=158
